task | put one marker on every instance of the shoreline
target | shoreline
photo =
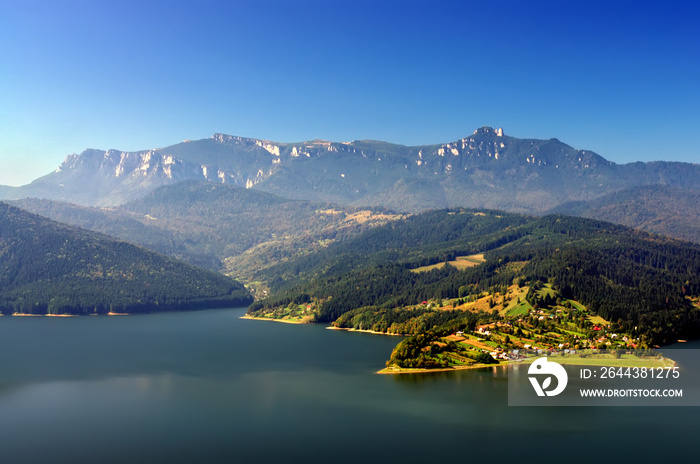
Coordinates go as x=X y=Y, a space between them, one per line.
x=374 y=332
x=601 y=363
x=284 y=321
x=417 y=370
x=64 y=315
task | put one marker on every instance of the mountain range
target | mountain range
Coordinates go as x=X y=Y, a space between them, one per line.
x=307 y=225
x=487 y=169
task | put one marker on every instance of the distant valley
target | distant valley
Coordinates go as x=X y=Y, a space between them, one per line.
x=236 y=230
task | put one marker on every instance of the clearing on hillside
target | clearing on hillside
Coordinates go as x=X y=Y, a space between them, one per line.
x=460 y=262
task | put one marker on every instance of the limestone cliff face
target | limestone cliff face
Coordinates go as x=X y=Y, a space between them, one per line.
x=486 y=169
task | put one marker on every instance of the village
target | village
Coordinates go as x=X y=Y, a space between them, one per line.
x=522 y=321
x=564 y=327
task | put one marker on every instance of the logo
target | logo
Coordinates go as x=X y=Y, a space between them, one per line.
x=550 y=368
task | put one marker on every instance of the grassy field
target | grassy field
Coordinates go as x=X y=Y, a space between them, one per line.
x=518 y=309
x=572 y=332
x=546 y=290
x=470 y=343
x=513 y=308
x=597 y=320
x=460 y=262
x=608 y=360
x=577 y=305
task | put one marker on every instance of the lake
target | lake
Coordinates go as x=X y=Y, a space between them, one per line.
x=208 y=386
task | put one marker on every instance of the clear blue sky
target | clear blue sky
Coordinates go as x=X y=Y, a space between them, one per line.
x=619 y=78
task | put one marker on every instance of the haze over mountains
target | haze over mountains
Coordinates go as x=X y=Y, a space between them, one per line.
x=487 y=169
x=258 y=211
x=660 y=209
x=53 y=268
x=218 y=226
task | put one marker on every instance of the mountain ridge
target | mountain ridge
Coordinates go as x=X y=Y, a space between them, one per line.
x=487 y=169
x=660 y=209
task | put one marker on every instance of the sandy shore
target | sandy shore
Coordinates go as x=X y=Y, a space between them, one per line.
x=399 y=370
x=286 y=321
x=665 y=363
x=330 y=327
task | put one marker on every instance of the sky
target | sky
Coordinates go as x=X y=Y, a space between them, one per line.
x=621 y=78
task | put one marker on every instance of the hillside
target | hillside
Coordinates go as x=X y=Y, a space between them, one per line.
x=660 y=209
x=52 y=268
x=488 y=169
x=643 y=283
x=218 y=226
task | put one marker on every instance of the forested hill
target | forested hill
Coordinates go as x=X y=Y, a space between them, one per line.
x=670 y=211
x=646 y=284
x=219 y=226
x=51 y=268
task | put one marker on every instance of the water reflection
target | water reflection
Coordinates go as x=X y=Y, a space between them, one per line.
x=494 y=372
x=209 y=387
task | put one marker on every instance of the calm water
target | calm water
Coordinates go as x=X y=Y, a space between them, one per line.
x=207 y=386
